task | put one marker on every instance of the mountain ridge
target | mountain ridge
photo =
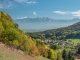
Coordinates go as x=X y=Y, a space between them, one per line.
x=72 y=31
x=34 y=24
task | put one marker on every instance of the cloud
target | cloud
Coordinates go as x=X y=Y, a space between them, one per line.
x=6 y=4
x=60 y=12
x=22 y=17
x=34 y=13
x=12 y=3
x=21 y=1
x=76 y=13
x=31 y=2
x=26 y=1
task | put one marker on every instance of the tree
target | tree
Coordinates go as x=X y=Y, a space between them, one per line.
x=65 y=55
x=59 y=56
x=1 y=28
x=78 y=52
x=73 y=58
x=49 y=53
x=15 y=43
x=70 y=56
x=16 y=25
x=54 y=46
x=54 y=37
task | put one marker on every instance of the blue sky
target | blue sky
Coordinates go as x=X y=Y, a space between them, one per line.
x=56 y=9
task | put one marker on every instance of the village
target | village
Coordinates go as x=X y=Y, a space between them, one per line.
x=63 y=44
x=60 y=43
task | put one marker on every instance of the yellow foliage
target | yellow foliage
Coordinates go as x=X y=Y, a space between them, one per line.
x=34 y=50
x=1 y=27
x=15 y=43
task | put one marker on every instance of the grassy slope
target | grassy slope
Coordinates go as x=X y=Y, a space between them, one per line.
x=5 y=56
x=41 y=58
x=6 y=53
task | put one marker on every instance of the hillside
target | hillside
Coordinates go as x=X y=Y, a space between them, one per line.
x=17 y=39
x=6 y=53
x=72 y=31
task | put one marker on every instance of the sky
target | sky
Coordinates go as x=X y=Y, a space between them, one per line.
x=56 y=9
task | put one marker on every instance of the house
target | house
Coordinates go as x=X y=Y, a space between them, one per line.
x=78 y=57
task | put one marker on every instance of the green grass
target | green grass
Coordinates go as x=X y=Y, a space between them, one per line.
x=41 y=58
x=74 y=41
x=60 y=50
x=5 y=56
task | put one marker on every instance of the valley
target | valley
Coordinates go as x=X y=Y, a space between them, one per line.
x=65 y=38
x=39 y=29
x=54 y=44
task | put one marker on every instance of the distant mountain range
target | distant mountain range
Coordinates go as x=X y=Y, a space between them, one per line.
x=45 y=23
x=70 y=32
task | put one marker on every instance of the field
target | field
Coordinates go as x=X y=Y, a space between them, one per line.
x=73 y=41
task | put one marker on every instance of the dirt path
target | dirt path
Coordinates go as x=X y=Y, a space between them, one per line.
x=15 y=54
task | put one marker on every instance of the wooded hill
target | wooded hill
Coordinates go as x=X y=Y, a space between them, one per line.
x=16 y=38
x=72 y=31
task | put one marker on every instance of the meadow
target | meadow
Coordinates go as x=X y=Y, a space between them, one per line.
x=73 y=41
